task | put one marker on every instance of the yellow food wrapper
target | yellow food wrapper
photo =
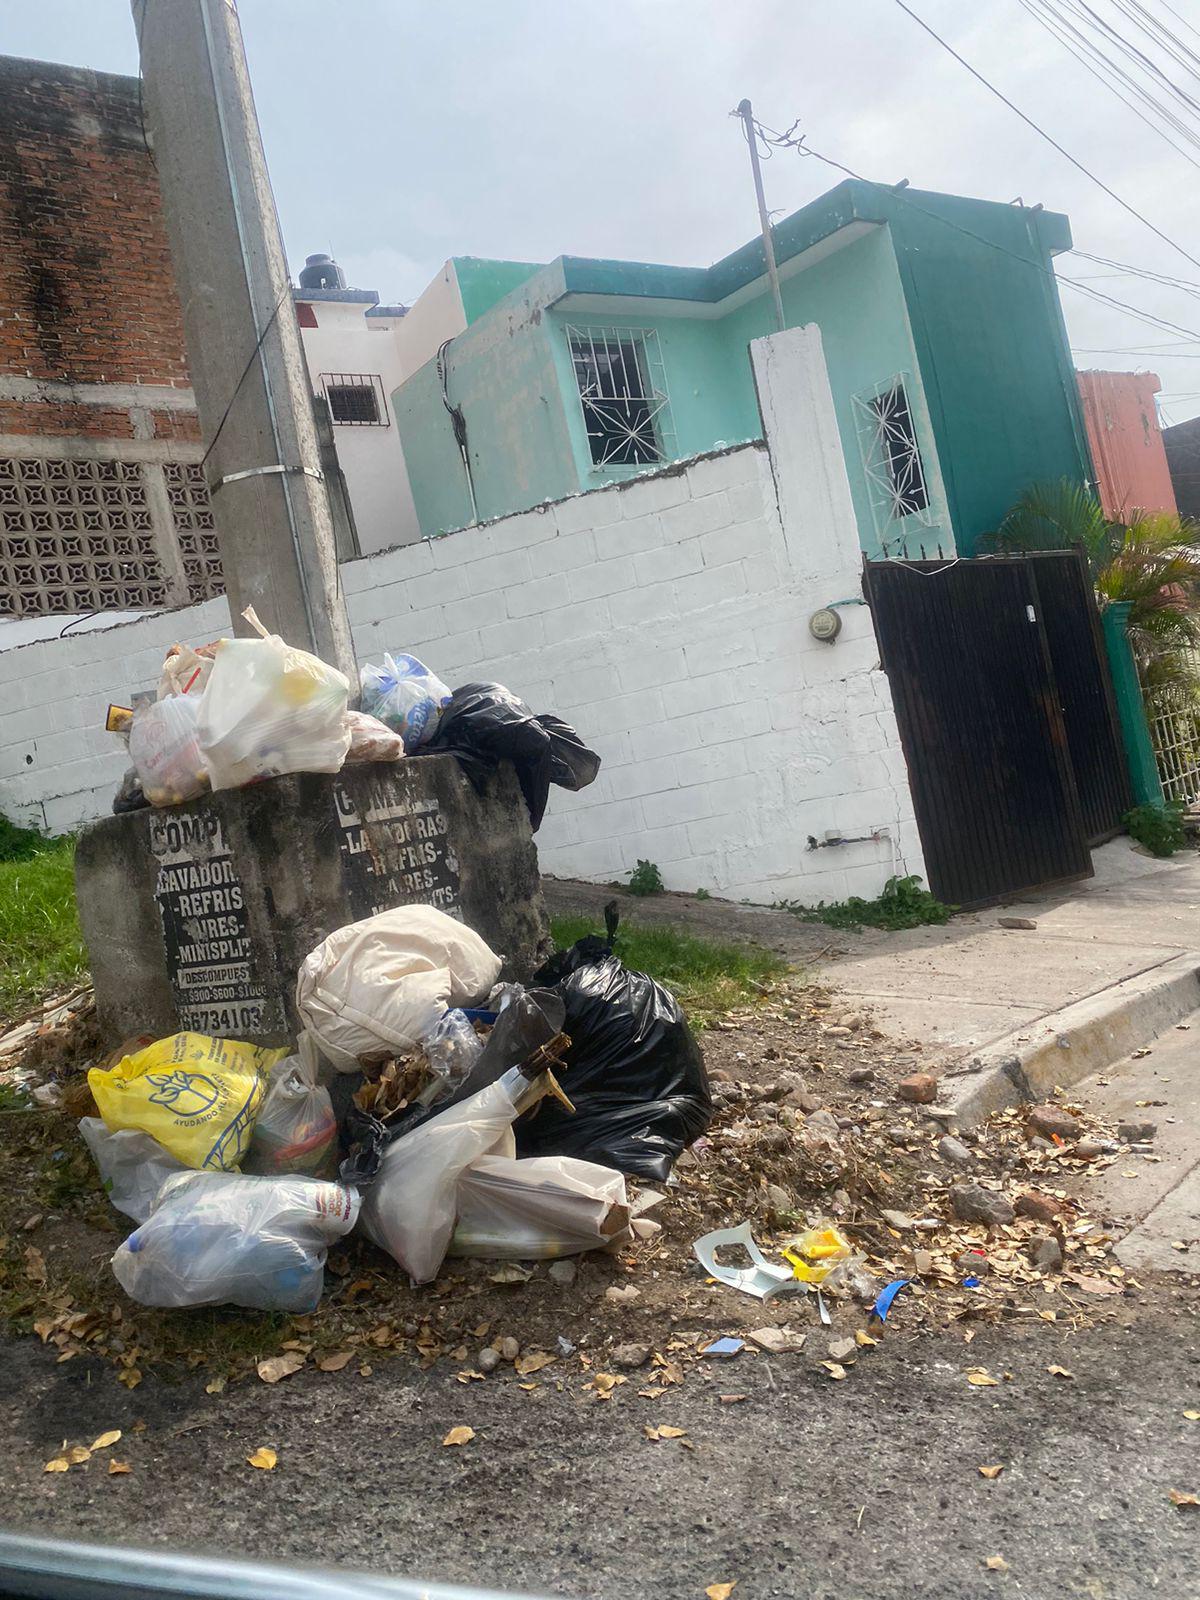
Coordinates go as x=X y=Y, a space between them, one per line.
x=197 y=1096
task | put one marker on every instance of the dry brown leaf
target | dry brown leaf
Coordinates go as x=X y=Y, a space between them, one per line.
x=651 y=1393
x=336 y=1360
x=365 y=1371
x=131 y=1377
x=35 y=1265
x=264 y=1458
x=1059 y=1372
x=1091 y=1284
x=215 y=1386
x=605 y=1382
x=732 y=1399
x=529 y=1387
x=1192 y=1416
x=835 y=1370
x=666 y=1432
x=991 y=1472
x=276 y=1367
x=996 y=1564
x=534 y=1362
x=59 y=1464
x=459 y=1435
x=982 y=1378
x=78 y=1454
x=864 y=1340
x=721 y=1591
x=651 y=1433
x=1177 y=1497
x=470 y=1376
x=117 y=1468
x=106 y=1439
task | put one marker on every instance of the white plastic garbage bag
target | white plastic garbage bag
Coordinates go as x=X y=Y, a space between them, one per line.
x=133 y=1166
x=218 y=1238
x=536 y=1209
x=406 y=695
x=410 y=1209
x=164 y=747
x=268 y=709
x=375 y=988
x=296 y=1130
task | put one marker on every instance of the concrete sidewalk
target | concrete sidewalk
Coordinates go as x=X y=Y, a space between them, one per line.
x=965 y=986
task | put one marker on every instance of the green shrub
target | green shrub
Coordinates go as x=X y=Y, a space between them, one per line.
x=1159 y=828
x=646 y=879
x=903 y=904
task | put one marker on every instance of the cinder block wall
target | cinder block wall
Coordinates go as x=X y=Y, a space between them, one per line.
x=667 y=618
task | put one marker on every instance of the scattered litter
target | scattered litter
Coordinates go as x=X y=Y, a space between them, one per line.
x=723 y=1347
x=1178 y=1497
x=762 y=1278
x=817 y=1255
x=883 y=1301
x=405 y=696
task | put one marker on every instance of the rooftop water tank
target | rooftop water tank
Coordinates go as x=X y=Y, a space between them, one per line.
x=321 y=272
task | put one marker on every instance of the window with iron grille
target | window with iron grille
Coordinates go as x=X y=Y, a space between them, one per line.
x=623 y=394
x=897 y=450
x=356 y=399
x=901 y=508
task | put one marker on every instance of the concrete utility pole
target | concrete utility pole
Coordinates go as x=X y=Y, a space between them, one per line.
x=747 y=115
x=263 y=465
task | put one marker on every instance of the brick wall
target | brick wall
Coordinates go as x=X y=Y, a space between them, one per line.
x=667 y=618
x=87 y=294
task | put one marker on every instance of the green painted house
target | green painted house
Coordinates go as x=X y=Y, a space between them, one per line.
x=942 y=331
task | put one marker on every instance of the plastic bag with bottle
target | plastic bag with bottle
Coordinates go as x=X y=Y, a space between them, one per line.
x=405 y=695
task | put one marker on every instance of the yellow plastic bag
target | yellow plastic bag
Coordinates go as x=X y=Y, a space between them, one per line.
x=818 y=1253
x=197 y=1096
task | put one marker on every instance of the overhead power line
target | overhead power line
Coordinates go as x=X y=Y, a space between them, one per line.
x=1029 y=122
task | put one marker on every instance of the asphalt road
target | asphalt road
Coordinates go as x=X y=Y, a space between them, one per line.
x=809 y=1487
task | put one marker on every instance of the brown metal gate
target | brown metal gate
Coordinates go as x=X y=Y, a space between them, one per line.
x=981 y=717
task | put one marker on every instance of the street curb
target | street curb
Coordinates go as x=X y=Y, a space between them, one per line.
x=1069 y=1044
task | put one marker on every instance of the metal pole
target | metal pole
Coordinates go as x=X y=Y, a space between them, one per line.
x=747 y=116
x=262 y=460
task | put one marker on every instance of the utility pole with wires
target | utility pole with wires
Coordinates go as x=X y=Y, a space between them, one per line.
x=262 y=460
x=746 y=113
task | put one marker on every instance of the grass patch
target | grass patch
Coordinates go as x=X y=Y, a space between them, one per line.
x=705 y=977
x=41 y=949
x=903 y=904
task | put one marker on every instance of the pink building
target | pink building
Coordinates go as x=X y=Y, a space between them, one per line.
x=1125 y=441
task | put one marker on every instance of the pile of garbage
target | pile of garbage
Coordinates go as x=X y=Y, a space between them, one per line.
x=237 y=711
x=426 y=1106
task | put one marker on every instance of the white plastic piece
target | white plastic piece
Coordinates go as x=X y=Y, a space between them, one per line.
x=539 y=1209
x=762 y=1278
x=405 y=695
x=218 y=1238
x=133 y=1166
x=376 y=988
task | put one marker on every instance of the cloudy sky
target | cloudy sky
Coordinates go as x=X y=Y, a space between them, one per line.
x=400 y=133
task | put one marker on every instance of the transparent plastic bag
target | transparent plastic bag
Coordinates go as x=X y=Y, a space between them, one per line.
x=372 y=740
x=296 y=1131
x=270 y=709
x=405 y=695
x=186 y=671
x=538 y=1209
x=452 y=1048
x=224 y=1239
x=133 y=1166
x=164 y=747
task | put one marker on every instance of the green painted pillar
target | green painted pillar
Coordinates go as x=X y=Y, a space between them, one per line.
x=1131 y=708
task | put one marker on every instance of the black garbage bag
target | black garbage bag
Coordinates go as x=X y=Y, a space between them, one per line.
x=634 y=1071
x=483 y=724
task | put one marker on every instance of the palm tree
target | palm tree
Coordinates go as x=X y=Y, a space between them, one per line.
x=1152 y=561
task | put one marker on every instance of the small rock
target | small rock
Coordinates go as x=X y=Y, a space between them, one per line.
x=1033 y=1203
x=774 y=1138
x=626 y=1357
x=861 y=1075
x=973 y=1203
x=952 y=1149
x=1136 y=1132
x=563 y=1272
x=843 y=1350
x=851 y=1020
x=1024 y=924
x=898 y=1135
x=922 y=1262
x=779 y=1200
x=1046 y=1254
x=805 y=1100
x=510 y=1348
x=838 y=1033
x=973 y=1263
x=900 y=1220
x=645 y=1227
x=789 y=1082
x=823 y=1122
x=488 y=1360
x=920 y=1089
x=1038 y=1143
x=1088 y=1149
x=622 y=1294
x=777 y=1341
x=1053 y=1122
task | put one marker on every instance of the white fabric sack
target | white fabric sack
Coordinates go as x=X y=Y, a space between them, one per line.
x=268 y=709
x=410 y=1208
x=534 y=1210
x=133 y=1165
x=219 y=1238
x=375 y=988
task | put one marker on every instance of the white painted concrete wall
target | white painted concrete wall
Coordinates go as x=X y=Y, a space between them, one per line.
x=346 y=340
x=667 y=618
x=435 y=315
